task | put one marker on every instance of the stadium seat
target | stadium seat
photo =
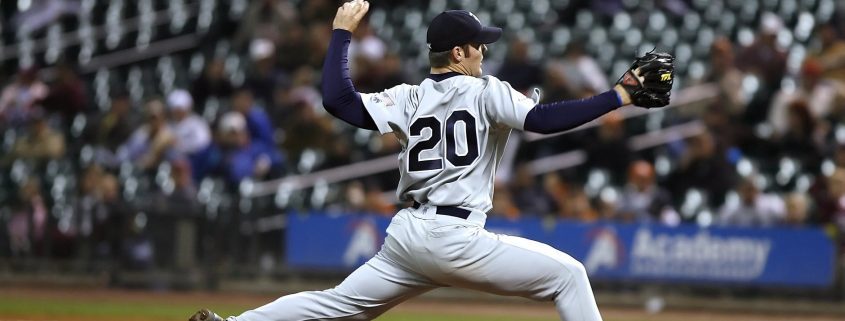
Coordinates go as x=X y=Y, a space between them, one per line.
x=597 y=179
x=20 y=171
x=206 y=16
x=690 y=26
x=694 y=202
x=657 y=22
x=9 y=138
x=560 y=5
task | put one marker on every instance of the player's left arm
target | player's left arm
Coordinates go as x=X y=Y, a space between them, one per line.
x=565 y=115
x=646 y=84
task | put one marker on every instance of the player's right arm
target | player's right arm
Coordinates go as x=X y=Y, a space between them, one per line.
x=339 y=96
x=380 y=111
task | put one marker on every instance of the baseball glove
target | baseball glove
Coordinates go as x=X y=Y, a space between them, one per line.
x=649 y=80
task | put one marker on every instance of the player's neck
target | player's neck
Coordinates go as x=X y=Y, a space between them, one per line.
x=451 y=68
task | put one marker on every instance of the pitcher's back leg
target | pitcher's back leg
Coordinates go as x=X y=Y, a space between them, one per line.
x=369 y=291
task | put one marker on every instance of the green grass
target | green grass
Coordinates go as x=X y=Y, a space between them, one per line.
x=82 y=308
x=48 y=307
x=398 y=316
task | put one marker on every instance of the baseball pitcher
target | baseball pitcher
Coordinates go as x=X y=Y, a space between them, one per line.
x=453 y=128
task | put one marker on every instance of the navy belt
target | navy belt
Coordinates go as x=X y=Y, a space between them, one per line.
x=450 y=211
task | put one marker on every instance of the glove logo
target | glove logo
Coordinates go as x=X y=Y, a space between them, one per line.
x=665 y=77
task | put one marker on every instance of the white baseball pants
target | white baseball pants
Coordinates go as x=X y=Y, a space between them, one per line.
x=424 y=251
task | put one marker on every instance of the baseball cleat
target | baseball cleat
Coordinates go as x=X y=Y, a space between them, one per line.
x=205 y=315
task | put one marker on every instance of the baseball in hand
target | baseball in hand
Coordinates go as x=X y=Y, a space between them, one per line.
x=349 y=15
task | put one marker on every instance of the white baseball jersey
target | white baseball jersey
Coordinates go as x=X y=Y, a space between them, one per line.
x=453 y=133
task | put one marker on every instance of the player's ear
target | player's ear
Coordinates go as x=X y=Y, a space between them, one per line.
x=458 y=54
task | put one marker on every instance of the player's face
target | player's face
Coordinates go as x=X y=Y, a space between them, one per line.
x=474 y=58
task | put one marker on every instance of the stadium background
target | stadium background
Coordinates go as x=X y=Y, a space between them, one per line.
x=97 y=191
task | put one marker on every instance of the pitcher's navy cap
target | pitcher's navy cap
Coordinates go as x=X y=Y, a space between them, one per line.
x=456 y=28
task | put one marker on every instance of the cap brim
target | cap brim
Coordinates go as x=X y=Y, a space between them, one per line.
x=488 y=35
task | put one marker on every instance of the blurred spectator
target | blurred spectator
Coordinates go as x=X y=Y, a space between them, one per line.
x=317 y=10
x=108 y=131
x=365 y=74
x=184 y=189
x=584 y=77
x=212 y=83
x=150 y=143
x=820 y=95
x=339 y=153
x=378 y=202
x=702 y=165
x=558 y=191
x=610 y=151
x=767 y=62
x=830 y=199
x=27 y=226
x=291 y=55
x=503 y=204
x=303 y=88
x=754 y=209
x=607 y=203
x=263 y=78
x=518 y=69
x=726 y=130
x=41 y=144
x=244 y=157
x=112 y=230
x=728 y=78
x=365 y=198
x=67 y=94
x=138 y=251
x=831 y=54
x=20 y=98
x=797 y=209
x=320 y=36
x=528 y=196
x=193 y=135
x=257 y=121
x=643 y=200
x=365 y=55
x=94 y=228
x=555 y=84
x=354 y=198
x=75 y=228
x=570 y=201
x=365 y=47
x=265 y=19
x=800 y=138
x=390 y=72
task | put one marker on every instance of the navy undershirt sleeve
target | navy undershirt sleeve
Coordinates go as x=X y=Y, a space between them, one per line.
x=339 y=96
x=565 y=115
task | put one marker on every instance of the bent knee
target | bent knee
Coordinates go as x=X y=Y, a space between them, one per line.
x=574 y=274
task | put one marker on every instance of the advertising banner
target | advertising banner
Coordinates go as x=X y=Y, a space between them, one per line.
x=609 y=251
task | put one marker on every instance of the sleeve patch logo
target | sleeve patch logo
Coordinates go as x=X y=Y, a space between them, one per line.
x=382 y=98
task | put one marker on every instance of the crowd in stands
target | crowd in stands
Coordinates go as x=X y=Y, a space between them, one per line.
x=272 y=125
